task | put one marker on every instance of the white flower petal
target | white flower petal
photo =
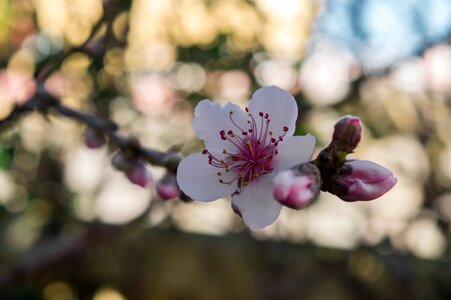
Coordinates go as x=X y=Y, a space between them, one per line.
x=210 y=118
x=256 y=203
x=199 y=180
x=294 y=150
x=279 y=104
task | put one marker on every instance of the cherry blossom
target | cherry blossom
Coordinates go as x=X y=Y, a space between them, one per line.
x=244 y=151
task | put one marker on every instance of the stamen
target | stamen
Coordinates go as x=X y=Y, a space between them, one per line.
x=249 y=145
x=233 y=122
x=254 y=153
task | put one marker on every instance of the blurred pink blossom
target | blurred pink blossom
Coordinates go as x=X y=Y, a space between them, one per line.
x=16 y=87
x=152 y=94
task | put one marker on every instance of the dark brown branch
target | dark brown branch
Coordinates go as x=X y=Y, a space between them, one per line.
x=169 y=160
x=45 y=102
x=46 y=70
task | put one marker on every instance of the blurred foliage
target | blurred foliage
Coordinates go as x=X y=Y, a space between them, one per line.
x=63 y=204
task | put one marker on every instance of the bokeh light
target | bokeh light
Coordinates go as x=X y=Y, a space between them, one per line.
x=388 y=62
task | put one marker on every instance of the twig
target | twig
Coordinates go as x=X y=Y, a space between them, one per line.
x=45 y=71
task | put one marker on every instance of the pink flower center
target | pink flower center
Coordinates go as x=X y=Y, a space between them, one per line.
x=252 y=151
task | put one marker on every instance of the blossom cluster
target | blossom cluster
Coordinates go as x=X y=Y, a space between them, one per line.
x=253 y=156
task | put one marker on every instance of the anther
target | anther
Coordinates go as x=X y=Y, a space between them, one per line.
x=205 y=151
x=285 y=128
x=260 y=114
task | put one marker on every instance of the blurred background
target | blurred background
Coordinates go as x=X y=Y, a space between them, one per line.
x=68 y=219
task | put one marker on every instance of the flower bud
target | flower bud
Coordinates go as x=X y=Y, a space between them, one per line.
x=347 y=133
x=362 y=180
x=138 y=174
x=295 y=188
x=167 y=188
x=94 y=139
x=135 y=169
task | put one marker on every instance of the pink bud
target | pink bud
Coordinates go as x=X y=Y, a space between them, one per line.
x=167 y=187
x=295 y=190
x=94 y=139
x=168 y=191
x=347 y=133
x=138 y=174
x=363 y=180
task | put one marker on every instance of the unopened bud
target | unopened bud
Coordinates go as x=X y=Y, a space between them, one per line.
x=135 y=169
x=167 y=188
x=94 y=139
x=362 y=180
x=297 y=187
x=347 y=133
x=138 y=173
